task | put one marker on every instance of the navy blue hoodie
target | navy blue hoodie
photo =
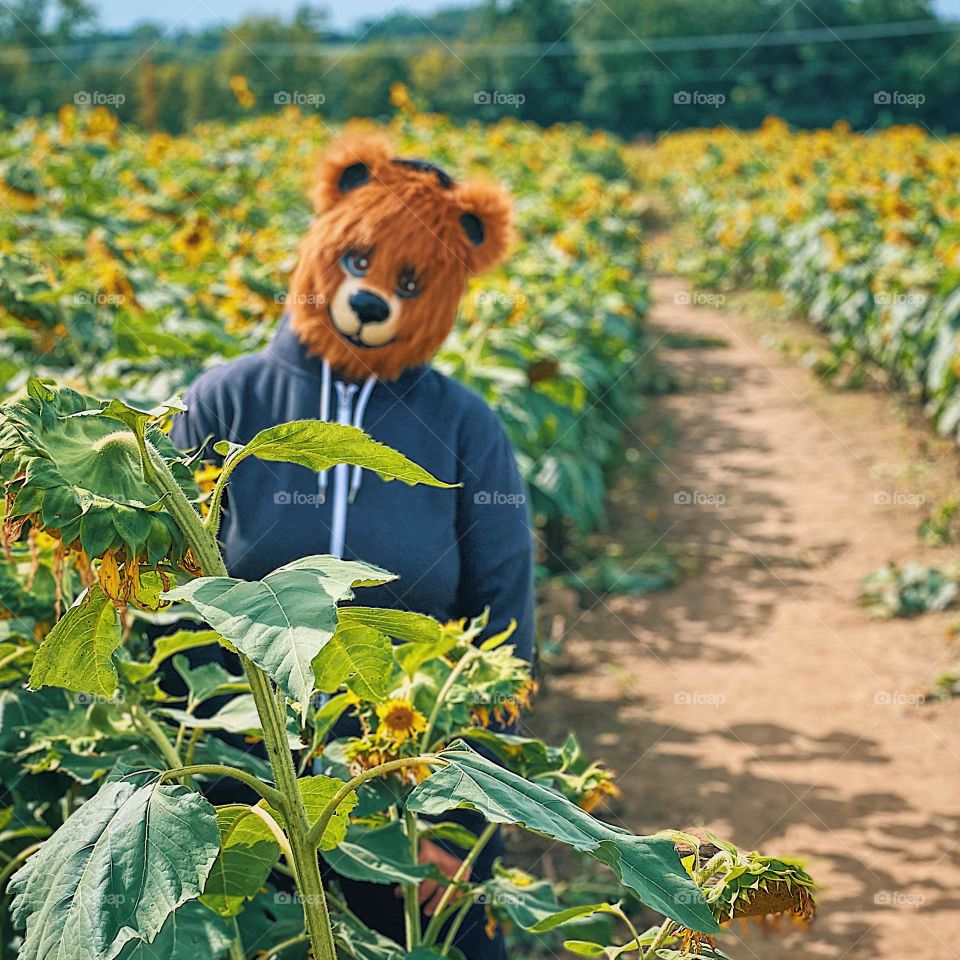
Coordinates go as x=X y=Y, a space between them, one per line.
x=455 y=551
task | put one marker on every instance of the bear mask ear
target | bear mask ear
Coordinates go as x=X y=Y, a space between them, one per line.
x=487 y=222
x=346 y=166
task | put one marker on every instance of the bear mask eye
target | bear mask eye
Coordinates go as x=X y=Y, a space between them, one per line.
x=356 y=263
x=407 y=285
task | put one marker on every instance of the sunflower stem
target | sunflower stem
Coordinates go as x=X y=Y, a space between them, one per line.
x=315 y=834
x=271 y=707
x=666 y=928
x=466 y=865
x=458 y=669
x=411 y=900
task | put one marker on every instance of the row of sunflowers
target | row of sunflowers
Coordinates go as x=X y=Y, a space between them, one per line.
x=130 y=261
x=859 y=231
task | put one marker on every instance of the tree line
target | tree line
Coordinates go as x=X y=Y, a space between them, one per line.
x=632 y=67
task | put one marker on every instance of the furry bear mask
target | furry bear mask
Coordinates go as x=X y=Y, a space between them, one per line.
x=382 y=269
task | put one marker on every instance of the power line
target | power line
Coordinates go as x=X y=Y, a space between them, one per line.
x=814 y=35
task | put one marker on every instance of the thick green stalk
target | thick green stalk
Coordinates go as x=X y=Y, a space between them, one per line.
x=272 y=711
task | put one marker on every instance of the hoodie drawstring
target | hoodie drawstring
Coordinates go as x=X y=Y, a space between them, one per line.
x=341 y=473
x=324 y=418
x=358 y=413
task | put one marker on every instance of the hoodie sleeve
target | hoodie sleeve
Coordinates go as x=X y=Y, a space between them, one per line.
x=493 y=531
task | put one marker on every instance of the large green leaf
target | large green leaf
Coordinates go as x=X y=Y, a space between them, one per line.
x=115 y=870
x=283 y=621
x=647 y=865
x=357 y=654
x=401 y=624
x=191 y=932
x=380 y=855
x=248 y=851
x=320 y=446
x=78 y=652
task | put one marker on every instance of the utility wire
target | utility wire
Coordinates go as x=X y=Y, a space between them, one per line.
x=101 y=49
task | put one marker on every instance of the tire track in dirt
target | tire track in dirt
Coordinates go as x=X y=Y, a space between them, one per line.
x=756 y=698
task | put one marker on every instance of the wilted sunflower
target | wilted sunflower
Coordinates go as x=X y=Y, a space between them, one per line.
x=399 y=720
x=73 y=471
x=748 y=885
x=365 y=753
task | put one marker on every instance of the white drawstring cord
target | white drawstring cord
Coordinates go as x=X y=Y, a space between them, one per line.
x=357 y=478
x=324 y=418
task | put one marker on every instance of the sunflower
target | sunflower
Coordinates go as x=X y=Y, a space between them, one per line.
x=71 y=469
x=399 y=720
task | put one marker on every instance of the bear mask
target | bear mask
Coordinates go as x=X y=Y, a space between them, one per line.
x=382 y=268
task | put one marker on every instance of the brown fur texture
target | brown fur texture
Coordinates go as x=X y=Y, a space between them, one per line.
x=404 y=220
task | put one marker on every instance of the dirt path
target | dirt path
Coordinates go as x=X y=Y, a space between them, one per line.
x=756 y=698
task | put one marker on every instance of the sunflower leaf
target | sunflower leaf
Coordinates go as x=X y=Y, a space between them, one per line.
x=320 y=446
x=78 y=652
x=283 y=621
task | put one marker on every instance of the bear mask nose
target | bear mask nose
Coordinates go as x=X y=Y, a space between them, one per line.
x=368 y=307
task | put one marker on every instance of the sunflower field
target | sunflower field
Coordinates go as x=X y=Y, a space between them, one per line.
x=860 y=232
x=155 y=806
x=129 y=262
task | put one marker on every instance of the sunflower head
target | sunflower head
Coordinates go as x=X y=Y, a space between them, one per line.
x=71 y=469
x=399 y=720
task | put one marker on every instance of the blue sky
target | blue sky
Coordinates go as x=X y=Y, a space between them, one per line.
x=120 y=14
x=344 y=13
